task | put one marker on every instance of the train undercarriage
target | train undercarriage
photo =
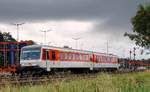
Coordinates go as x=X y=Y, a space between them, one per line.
x=37 y=71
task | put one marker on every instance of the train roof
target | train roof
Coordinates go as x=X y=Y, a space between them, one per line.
x=68 y=49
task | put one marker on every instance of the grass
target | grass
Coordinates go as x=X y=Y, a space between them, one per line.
x=133 y=82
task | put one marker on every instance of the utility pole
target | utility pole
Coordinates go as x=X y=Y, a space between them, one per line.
x=45 y=32
x=17 y=25
x=76 y=39
x=107 y=47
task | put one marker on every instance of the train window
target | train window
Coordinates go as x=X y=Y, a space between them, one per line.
x=30 y=53
x=80 y=57
x=61 y=56
x=70 y=56
x=66 y=56
x=103 y=59
x=53 y=55
x=47 y=55
x=97 y=58
x=113 y=59
x=87 y=57
x=107 y=59
x=84 y=57
x=100 y=59
x=74 y=57
x=110 y=59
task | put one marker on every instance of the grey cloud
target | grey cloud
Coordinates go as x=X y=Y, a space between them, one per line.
x=116 y=12
x=42 y=10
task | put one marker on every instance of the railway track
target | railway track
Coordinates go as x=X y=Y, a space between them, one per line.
x=17 y=80
x=44 y=79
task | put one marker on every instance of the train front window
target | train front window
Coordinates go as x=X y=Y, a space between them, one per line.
x=30 y=54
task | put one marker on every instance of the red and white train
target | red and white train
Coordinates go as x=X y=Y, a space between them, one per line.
x=49 y=57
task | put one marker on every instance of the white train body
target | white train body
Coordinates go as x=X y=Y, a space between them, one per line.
x=48 y=57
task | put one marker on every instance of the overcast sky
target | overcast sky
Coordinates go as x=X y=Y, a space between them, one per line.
x=95 y=22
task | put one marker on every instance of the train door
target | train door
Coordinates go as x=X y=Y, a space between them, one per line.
x=54 y=55
x=93 y=58
x=92 y=61
x=45 y=54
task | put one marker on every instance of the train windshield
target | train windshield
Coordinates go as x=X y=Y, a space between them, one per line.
x=30 y=53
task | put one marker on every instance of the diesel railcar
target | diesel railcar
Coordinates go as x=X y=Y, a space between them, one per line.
x=50 y=57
